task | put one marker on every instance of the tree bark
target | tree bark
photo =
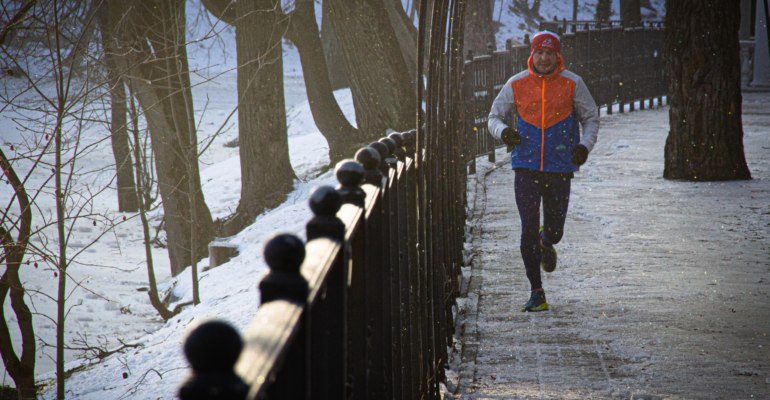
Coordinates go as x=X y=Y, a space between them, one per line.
x=631 y=12
x=160 y=76
x=342 y=137
x=406 y=33
x=127 y=201
x=383 y=94
x=335 y=61
x=478 y=27
x=703 y=66
x=266 y=173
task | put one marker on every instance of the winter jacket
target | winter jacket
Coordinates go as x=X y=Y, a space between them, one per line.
x=548 y=109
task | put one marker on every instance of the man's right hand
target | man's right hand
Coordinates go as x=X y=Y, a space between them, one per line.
x=510 y=137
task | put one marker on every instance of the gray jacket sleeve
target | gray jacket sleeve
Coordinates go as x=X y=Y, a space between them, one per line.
x=503 y=102
x=587 y=114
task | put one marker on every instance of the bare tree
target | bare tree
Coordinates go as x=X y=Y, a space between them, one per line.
x=338 y=77
x=702 y=63
x=631 y=12
x=266 y=172
x=479 y=27
x=153 y=38
x=55 y=103
x=21 y=369
x=127 y=201
x=383 y=93
x=603 y=10
x=145 y=198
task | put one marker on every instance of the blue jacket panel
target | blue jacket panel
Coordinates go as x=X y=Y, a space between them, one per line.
x=560 y=139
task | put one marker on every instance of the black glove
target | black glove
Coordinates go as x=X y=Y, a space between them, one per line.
x=510 y=137
x=579 y=155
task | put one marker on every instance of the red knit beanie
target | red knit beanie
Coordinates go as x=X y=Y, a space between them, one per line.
x=546 y=40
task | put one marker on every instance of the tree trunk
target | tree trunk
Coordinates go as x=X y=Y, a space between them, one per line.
x=383 y=94
x=603 y=10
x=574 y=10
x=535 y=7
x=631 y=12
x=342 y=137
x=22 y=370
x=127 y=201
x=160 y=76
x=335 y=61
x=266 y=173
x=406 y=33
x=142 y=193
x=702 y=63
x=479 y=30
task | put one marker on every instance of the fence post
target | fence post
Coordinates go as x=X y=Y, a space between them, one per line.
x=470 y=141
x=350 y=174
x=284 y=255
x=395 y=279
x=419 y=384
x=490 y=88
x=212 y=350
x=328 y=315
x=661 y=74
x=385 y=271
x=375 y=384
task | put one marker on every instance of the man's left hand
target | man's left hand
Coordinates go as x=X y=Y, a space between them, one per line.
x=579 y=155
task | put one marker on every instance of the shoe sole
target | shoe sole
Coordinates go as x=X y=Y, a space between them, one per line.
x=541 y=307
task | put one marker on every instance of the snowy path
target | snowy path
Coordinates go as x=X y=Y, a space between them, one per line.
x=662 y=289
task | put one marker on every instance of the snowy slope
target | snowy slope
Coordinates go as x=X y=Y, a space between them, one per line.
x=514 y=26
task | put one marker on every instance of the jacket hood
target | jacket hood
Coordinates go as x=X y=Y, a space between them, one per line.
x=556 y=71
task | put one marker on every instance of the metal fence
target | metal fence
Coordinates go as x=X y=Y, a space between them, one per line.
x=620 y=65
x=363 y=310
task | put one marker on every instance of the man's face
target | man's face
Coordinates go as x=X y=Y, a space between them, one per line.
x=544 y=60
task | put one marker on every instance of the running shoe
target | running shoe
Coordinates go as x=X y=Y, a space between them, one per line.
x=548 y=259
x=548 y=256
x=536 y=302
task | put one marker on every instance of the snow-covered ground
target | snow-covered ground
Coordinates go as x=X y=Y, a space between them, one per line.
x=114 y=267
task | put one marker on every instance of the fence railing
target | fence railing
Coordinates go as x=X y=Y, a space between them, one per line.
x=363 y=310
x=620 y=65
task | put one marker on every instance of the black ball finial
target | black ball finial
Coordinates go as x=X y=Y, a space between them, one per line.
x=284 y=253
x=214 y=346
x=409 y=137
x=490 y=48
x=325 y=201
x=469 y=55
x=350 y=172
x=391 y=145
x=398 y=138
x=381 y=148
x=213 y=349
x=369 y=158
x=350 y=175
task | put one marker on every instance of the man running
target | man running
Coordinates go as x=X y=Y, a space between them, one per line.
x=547 y=149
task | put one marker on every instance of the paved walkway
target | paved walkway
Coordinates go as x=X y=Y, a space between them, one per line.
x=662 y=289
